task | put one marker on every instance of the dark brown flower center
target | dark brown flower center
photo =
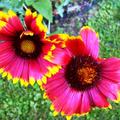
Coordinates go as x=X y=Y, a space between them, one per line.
x=82 y=72
x=28 y=45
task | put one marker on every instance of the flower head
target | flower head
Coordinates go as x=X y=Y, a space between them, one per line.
x=22 y=48
x=85 y=80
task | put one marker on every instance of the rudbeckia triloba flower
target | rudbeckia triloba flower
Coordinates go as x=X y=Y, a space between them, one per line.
x=85 y=80
x=22 y=48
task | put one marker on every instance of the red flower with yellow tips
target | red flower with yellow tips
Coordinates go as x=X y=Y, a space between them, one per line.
x=22 y=48
x=85 y=80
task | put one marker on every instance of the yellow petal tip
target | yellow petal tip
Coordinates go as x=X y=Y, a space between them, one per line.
x=68 y=117
x=39 y=82
x=44 y=79
x=4 y=74
x=32 y=81
x=26 y=83
x=15 y=80
x=52 y=107
x=45 y=96
x=55 y=113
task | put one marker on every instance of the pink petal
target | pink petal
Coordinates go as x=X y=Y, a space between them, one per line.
x=60 y=102
x=16 y=23
x=110 y=64
x=43 y=64
x=55 y=86
x=15 y=68
x=67 y=102
x=71 y=102
x=6 y=58
x=25 y=72
x=5 y=46
x=91 y=41
x=76 y=102
x=98 y=98
x=35 y=70
x=60 y=56
x=111 y=69
x=108 y=89
x=7 y=30
x=19 y=68
x=85 y=103
x=6 y=53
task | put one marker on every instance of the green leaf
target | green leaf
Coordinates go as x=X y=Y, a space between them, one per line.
x=45 y=8
x=29 y=2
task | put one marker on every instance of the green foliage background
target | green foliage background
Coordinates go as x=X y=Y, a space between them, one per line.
x=20 y=103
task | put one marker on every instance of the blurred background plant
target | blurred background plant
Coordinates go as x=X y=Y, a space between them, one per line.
x=62 y=16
